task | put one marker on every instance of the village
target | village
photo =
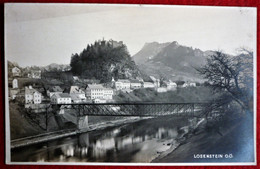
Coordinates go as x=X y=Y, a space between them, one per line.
x=36 y=97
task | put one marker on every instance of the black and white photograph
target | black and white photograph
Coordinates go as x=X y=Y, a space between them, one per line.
x=111 y=84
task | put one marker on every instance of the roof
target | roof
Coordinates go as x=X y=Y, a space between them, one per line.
x=15 y=68
x=63 y=95
x=56 y=89
x=75 y=97
x=76 y=89
x=135 y=81
x=108 y=88
x=95 y=86
x=30 y=91
x=123 y=80
x=148 y=83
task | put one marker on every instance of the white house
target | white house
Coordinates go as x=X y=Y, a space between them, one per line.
x=98 y=91
x=135 y=84
x=32 y=96
x=161 y=89
x=171 y=85
x=35 y=74
x=95 y=91
x=15 y=83
x=122 y=84
x=61 y=98
x=16 y=71
x=75 y=90
x=108 y=93
x=155 y=81
x=148 y=85
x=192 y=84
x=185 y=84
x=54 y=90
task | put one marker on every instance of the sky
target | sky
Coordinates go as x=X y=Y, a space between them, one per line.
x=41 y=34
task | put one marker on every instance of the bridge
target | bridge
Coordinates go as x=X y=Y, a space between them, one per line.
x=78 y=113
x=132 y=109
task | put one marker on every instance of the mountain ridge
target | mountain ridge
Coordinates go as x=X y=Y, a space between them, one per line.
x=170 y=60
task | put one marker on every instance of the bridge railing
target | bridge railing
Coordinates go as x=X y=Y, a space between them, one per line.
x=131 y=109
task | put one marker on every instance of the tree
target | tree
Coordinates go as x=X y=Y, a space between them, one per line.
x=232 y=76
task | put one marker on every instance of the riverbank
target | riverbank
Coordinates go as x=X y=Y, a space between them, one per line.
x=70 y=132
x=230 y=143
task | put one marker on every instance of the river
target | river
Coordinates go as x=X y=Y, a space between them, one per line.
x=140 y=141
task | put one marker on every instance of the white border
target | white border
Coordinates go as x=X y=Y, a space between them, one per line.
x=7 y=118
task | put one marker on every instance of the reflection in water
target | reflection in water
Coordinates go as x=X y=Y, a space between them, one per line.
x=137 y=142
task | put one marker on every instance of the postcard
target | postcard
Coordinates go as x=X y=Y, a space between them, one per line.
x=102 y=84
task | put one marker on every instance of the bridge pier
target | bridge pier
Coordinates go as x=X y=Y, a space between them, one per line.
x=83 y=122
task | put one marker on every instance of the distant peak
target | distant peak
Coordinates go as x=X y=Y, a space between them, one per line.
x=151 y=43
x=175 y=43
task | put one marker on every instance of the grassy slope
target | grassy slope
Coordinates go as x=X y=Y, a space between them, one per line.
x=19 y=125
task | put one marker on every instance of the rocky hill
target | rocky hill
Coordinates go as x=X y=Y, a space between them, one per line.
x=104 y=60
x=170 y=60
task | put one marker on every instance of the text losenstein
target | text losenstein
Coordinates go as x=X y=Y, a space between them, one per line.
x=208 y=156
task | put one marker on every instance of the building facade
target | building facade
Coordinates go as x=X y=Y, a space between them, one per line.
x=171 y=85
x=122 y=84
x=15 y=83
x=108 y=93
x=32 y=96
x=135 y=84
x=61 y=98
x=54 y=90
x=76 y=91
x=148 y=85
x=98 y=91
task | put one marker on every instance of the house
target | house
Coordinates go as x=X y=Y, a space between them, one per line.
x=35 y=74
x=171 y=85
x=185 y=84
x=115 y=44
x=54 y=90
x=13 y=93
x=75 y=90
x=16 y=71
x=95 y=91
x=15 y=83
x=98 y=91
x=161 y=89
x=75 y=78
x=75 y=98
x=148 y=85
x=61 y=98
x=155 y=81
x=192 y=84
x=32 y=96
x=108 y=93
x=122 y=84
x=135 y=84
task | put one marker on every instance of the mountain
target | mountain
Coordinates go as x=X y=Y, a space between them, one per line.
x=170 y=60
x=104 y=60
x=149 y=51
